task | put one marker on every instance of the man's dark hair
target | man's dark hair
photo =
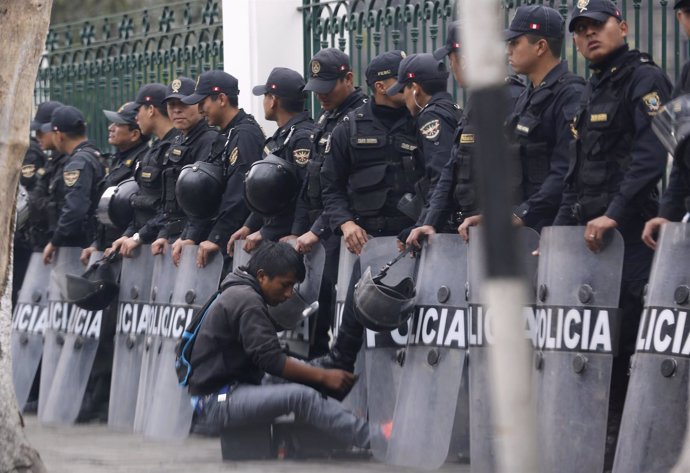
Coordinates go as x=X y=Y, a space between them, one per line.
x=432 y=87
x=555 y=44
x=233 y=100
x=277 y=259
x=291 y=105
x=80 y=132
x=162 y=109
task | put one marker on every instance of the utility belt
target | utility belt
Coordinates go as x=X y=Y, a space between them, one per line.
x=174 y=228
x=384 y=226
x=456 y=218
x=200 y=402
x=589 y=207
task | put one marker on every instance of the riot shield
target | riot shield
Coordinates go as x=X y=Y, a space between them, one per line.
x=79 y=330
x=130 y=336
x=434 y=360
x=29 y=320
x=654 y=421
x=480 y=337
x=575 y=337
x=170 y=415
x=160 y=297
x=384 y=350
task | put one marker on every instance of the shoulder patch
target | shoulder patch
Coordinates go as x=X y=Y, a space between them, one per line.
x=301 y=156
x=41 y=172
x=233 y=156
x=652 y=102
x=28 y=170
x=430 y=130
x=71 y=177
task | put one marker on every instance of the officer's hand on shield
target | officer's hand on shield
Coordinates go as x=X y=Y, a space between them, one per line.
x=464 y=228
x=48 y=253
x=651 y=231
x=86 y=255
x=355 y=236
x=418 y=234
x=177 y=249
x=158 y=247
x=117 y=244
x=595 y=231
x=206 y=249
x=128 y=246
x=289 y=238
x=306 y=242
x=240 y=234
x=252 y=242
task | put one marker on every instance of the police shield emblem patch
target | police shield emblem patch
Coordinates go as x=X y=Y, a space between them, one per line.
x=301 y=156
x=29 y=170
x=431 y=129
x=70 y=177
x=652 y=102
x=233 y=156
x=175 y=86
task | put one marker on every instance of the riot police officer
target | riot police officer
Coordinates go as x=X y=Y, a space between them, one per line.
x=152 y=117
x=682 y=9
x=234 y=150
x=77 y=195
x=613 y=177
x=130 y=144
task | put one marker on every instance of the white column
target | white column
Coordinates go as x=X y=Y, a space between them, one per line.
x=259 y=35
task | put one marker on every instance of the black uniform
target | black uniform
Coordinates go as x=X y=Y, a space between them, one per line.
x=147 y=201
x=184 y=149
x=291 y=142
x=76 y=197
x=239 y=145
x=539 y=128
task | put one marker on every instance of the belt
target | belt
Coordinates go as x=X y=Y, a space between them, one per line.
x=388 y=225
x=199 y=402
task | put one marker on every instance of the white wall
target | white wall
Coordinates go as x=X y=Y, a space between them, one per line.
x=259 y=35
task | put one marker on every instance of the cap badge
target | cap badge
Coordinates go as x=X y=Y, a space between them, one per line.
x=315 y=67
x=582 y=5
x=147 y=98
x=534 y=26
x=215 y=89
x=176 y=84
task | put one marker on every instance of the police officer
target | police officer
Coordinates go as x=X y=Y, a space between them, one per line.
x=131 y=145
x=192 y=144
x=77 y=196
x=284 y=99
x=612 y=181
x=682 y=8
x=152 y=117
x=235 y=149
x=370 y=166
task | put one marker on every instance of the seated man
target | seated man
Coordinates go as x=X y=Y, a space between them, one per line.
x=237 y=344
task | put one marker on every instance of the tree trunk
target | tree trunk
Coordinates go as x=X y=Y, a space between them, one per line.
x=23 y=30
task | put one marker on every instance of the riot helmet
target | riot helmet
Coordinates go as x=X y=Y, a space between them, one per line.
x=381 y=307
x=672 y=124
x=271 y=186
x=199 y=189
x=114 y=207
x=96 y=288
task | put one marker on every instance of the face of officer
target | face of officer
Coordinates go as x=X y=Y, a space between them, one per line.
x=270 y=104
x=523 y=55
x=596 y=40
x=145 y=119
x=121 y=137
x=409 y=94
x=683 y=15
x=212 y=108
x=276 y=289
x=45 y=140
x=183 y=116
x=340 y=91
x=382 y=98
x=456 y=66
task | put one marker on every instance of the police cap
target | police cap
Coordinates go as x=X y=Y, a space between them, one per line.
x=452 y=41
x=384 y=66
x=213 y=82
x=326 y=67
x=681 y=4
x=65 y=119
x=43 y=114
x=179 y=88
x=418 y=68
x=283 y=82
x=598 y=10
x=538 y=20
x=151 y=94
x=125 y=115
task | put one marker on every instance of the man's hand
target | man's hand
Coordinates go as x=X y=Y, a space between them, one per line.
x=177 y=249
x=355 y=236
x=289 y=238
x=48 y=253
x=117 y=244
x=252 y=241
x=206 y=249
x=418 y=234
x=240 y=234
x=338 y=380
x=595 y=231
x=128 y=246
x=464 y=228
x=651 y=231
x=86 y=255
x=306 y=242
x=159 y=246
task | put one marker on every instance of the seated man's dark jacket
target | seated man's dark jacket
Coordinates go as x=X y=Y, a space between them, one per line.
x=237 y=341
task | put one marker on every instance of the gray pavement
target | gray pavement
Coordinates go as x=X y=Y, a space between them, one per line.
x=94 y=449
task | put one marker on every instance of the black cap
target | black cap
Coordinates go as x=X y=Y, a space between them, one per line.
x=65 y=119
x=452 y=41
x=151 y=94
x=384 y=66
x=213 y=82
x=43 y=114
x=681 y=4
x=538 y=20
x=599 y=10
x=283 y=82
x=125 y=115
x=179 y=88
x=326 y=67
x=418 y=68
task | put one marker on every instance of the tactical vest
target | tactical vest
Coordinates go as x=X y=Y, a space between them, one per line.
x=384 y=168
x=464 y=191
x=148 y=175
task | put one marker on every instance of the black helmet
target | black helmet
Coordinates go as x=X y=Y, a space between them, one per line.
x=271 y=186
x=96 y=288
x=381 y=307
x=199 y=189
x=671 y=124
x=114 y=208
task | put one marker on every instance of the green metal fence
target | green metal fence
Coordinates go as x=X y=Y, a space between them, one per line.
x=364 y=28
x=101 y=62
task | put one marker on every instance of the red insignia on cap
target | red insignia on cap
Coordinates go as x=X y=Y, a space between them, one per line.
x=55 y=128
x=342 y=68
x=216 y=89
x=273 y=86
x=147 y=99
x=410 y=75
x=534 y=26
x=456 y=45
